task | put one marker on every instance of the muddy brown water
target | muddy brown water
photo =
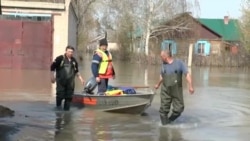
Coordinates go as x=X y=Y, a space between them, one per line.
x=219 y=110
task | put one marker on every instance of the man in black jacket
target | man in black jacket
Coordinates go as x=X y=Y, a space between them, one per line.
x=66 y=68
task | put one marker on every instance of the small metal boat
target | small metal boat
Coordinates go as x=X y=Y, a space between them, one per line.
x=126 y=103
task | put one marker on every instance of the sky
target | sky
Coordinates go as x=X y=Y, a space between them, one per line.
x=219 y=8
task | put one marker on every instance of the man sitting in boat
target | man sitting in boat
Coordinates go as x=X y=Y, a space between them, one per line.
x=102 y=67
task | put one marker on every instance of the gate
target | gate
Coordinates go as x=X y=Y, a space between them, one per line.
x=25 y=44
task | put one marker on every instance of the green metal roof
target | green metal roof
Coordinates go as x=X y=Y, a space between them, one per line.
x=228 y=32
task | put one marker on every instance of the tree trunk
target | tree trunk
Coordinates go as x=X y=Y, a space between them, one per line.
x=147 y=38
x=151 y=8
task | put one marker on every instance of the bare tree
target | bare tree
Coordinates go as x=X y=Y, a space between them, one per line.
x=156 y=11
x=126 y=17
x=87 y=23
x=245 y=24
x=117 y=17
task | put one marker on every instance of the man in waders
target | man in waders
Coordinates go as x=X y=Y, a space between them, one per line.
x=102 y=67
x=171 y=89
x=66 y=68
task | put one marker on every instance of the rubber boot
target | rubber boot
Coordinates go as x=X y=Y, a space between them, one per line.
x=164 y=120
x=58 y=102
x=67 y=104
x=173 y=117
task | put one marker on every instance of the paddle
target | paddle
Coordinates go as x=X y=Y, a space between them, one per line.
x=135 y=87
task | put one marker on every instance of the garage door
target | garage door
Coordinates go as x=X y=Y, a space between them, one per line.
x=25 y=44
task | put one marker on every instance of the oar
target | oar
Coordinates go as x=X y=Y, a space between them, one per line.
x=132 y=86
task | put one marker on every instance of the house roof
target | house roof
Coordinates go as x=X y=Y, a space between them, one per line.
x=229 y=32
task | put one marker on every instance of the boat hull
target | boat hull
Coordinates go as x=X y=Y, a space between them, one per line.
x=130 y=104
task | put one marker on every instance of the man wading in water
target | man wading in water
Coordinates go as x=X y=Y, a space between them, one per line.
x=171 y=89
x=66 y=68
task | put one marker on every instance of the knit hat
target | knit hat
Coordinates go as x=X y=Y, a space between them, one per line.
x=103 y=42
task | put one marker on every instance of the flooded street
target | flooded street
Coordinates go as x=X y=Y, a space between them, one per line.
x=219 y=109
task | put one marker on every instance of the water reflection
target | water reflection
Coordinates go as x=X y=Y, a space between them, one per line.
x=146 y=77
x=221 y=77
x=25 y=80
x=64 y=127
x=24 y=84
x=99 y=130
x=220 y=106
x=6 y=131
x=99 y=126
x=168 y=134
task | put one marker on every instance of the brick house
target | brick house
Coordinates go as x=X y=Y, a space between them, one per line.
x=208 y=36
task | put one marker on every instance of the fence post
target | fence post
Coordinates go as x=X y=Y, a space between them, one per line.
x=190 y=55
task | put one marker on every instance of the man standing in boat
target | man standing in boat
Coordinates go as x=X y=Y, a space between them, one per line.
x=102 y=67
x=171 y=89
x=66 y=68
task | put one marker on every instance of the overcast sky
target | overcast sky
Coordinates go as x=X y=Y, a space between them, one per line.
x=219 y=8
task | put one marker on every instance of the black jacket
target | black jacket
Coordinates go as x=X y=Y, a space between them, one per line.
x=58 y=62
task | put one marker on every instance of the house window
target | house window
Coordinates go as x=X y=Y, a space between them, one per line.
x=169 y=45
x=201 y=48
x=227 y=48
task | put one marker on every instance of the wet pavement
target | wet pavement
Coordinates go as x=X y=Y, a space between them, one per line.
x=219 y=110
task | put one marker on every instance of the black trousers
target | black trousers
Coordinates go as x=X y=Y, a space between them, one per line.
x=64 y=91
x=103 y=85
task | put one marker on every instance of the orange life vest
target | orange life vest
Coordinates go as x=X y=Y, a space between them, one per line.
x=106 y=66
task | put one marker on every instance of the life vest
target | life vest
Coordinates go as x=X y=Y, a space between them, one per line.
x=114 y=92
x=106 y=66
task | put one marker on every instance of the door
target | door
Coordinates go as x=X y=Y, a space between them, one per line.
x=37 y=45
x=10 y=41
x=25 y=44
x=6 y=55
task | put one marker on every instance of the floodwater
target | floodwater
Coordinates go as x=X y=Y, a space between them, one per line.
x=219 y=110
